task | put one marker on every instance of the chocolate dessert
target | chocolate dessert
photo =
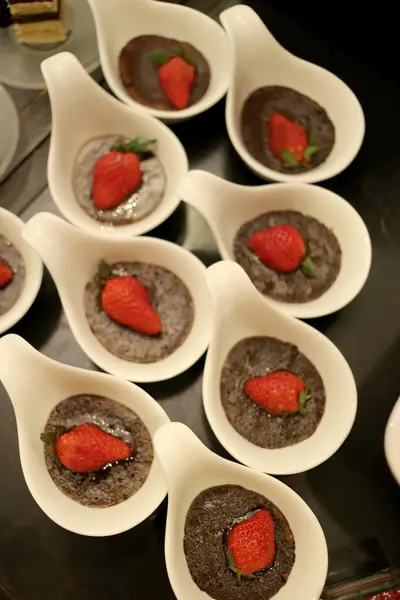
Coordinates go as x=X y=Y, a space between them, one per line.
x=168 y=299
x=254 y=358
x=293 y=286
x=211 y=560
x=84 y=418
x=285 y=130
x=142 y=62
x=11 y=288
x=127 y=200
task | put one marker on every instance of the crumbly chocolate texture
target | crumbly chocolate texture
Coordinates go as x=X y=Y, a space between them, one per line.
x=170 y=298
x=254 y=357
x=297 y=107
x=140 y=204
x=210 y=515
x=324 y=250
x=11 y=292
x=138 y=70
x=119 y=482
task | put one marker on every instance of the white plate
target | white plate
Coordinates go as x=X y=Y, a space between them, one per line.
x=20 y=64
x=9 y=130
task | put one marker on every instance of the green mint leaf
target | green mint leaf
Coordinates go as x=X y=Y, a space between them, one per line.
x=137 y=146
x=159 y=58
x=289 y=159
x=186 y=56
x=302 y=403
x=307 y=267
x=311 y=139
x=309 y=151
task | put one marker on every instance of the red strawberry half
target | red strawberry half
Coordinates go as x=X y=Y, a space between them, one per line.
x=289 y=141
x=279 y=392
x=87 y=448
x=176 y=75
x=282 y=248
x=6 y=274
x=126 y=300
x=250 y=544
x=117 y=174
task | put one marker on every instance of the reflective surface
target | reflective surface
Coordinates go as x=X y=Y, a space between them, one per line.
x=353 y=494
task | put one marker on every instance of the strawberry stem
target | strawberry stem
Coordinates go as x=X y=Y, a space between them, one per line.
x=136 y=146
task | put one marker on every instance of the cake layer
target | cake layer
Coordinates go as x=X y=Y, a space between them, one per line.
x=43 y=31
x=25 y=9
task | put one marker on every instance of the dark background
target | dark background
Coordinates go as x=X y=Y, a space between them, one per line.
x=353 y=493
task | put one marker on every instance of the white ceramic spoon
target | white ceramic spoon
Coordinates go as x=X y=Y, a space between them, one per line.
x=191 y=468
x=240 y=312
x=96 y=113
x=120 y=21
x=23 y=368
x=259 y=60
x=392 y=441
x=11 y=228
x=227 y=206
x=72 y=258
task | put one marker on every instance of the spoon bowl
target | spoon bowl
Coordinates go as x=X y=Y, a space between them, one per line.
x=191 y=468
x=73 y=256
x=392 y=441
x=236 y=301
x=97 y=114
x=20 y=365
x=227 y=206
x=11 y=228
x=122 y=20
x=259 y=60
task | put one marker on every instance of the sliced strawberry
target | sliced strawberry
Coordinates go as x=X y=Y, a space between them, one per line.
x=126 y=300
x=6 y=274
x=279 y=392
x=289 y=141
x=282 y=248
x=87 y=448
x=116 y=176
x=176 y=77
x=250 y=544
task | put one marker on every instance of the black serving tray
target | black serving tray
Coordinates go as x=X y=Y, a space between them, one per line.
x=353 y=494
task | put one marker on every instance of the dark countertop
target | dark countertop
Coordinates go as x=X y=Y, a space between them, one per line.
x=353 y=493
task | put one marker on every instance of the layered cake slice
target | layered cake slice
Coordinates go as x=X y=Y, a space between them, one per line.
x=39 y=21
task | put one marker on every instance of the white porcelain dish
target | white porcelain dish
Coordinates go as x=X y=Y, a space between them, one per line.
x=9 y=128
x=72 y=258
x=96 y=113
x=20 y=64
x=20 y=365
x=237 y=301
x=11 y=228
x=392 y=441
x=227 y=206
x=120 y=21
x=191 y=468
x=259 y=60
